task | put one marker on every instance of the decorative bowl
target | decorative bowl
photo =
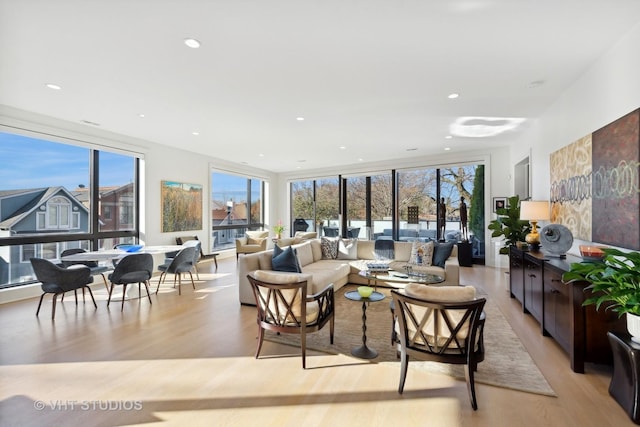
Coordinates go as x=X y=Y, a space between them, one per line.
x=131 y=248
x=365 y=291
x=591 y=253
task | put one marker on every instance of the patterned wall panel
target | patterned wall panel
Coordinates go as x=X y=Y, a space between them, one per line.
x=615 y=189
x=571 y=187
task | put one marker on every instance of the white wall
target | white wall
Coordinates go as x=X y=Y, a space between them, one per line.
x=608 y=90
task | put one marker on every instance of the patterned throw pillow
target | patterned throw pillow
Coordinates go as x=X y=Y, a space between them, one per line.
x=421 y=253
x=329 y=248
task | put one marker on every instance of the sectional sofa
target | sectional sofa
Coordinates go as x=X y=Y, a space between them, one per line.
x=340 y=271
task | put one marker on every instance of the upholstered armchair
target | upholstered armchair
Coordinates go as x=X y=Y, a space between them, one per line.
x=252 y=241
x=284 y=306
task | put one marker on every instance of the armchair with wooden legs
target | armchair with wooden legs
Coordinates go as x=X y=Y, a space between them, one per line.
x=441 y=324
x=284 y=306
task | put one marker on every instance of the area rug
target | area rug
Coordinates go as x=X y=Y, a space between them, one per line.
x=507 y=363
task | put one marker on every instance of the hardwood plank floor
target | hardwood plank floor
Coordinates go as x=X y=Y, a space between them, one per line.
x=189 y=360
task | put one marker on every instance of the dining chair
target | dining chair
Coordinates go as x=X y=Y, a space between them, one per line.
x=57 y=280
x=133 y=268
x=181 y=263
x=93 y=265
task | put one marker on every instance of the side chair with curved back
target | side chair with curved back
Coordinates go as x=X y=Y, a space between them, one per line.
x=93 y=265
x=285 y=307
x=181 y=263
x=57 y=280
x=440 y=324
x=133 y=268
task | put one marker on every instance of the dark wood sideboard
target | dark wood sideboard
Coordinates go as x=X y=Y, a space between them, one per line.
x=535 y=280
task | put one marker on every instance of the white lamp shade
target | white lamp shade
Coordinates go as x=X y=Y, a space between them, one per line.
x=536 y=210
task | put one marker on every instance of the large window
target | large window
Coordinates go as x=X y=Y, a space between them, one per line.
x=236 y=206
x=318 y=203
x=55 y=196
x=406 y=208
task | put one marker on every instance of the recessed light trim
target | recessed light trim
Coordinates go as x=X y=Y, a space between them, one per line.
x=448 y=137
x=192 y=43
x=453 y=95
x=195 y=133
x=300 y=119
x=53 y=86
x=447 y=148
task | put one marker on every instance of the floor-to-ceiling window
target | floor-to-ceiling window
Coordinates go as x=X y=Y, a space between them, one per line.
x=317 y=202
x=56 y=195
x=236 y=206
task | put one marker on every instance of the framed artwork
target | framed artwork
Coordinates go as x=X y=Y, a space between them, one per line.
x=499 y=203
x=181 y=206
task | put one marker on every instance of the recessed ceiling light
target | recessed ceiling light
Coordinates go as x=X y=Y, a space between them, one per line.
x=192 y=43
x=361 y=160
x=448 y=137
x=53 y=86
x=141 y=115
x=300 y=119
x=453 y=95
x=260 y=155
x=195 y=133
x=447 y=148
x=342 y=147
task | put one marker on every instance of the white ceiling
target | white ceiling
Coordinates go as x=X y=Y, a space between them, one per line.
x=370 y=75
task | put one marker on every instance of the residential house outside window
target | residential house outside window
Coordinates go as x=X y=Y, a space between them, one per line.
x=50 y=200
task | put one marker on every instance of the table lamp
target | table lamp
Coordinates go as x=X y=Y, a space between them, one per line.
x=534 y=211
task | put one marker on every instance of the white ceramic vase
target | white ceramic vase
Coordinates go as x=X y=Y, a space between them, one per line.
x=633 y=326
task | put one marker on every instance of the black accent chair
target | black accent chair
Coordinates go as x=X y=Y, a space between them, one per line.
x=299 y=224
x=57 y=280
x=440 y=331
x=183 y=262
x=134 y=268
x=182 y=240
x=93 y=265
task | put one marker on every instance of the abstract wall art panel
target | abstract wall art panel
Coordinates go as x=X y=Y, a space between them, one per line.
x=616 y=207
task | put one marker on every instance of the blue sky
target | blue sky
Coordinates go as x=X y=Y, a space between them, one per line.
x=32 y=163
x=27 y=162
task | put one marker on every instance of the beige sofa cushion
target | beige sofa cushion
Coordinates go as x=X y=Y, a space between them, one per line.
x=304 y=253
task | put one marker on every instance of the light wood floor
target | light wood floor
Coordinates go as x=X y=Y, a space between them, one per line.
x=189 y=360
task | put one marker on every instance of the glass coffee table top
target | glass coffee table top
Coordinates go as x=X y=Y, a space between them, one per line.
x=402 y=276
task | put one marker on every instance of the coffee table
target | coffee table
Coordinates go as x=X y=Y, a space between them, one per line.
x=364 y=352
x=392 y=276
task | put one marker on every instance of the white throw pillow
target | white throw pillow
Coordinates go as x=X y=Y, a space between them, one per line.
x=348 y=249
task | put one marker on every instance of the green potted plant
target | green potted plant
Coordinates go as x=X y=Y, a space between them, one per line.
x=509 y=224
x=278 y=229
x=615 y=282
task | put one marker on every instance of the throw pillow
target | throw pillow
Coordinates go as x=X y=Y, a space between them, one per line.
x=347 y=249
x=421 y=253
x=441 y=252
x=252 y=241
x=285 y=260
x=329 y=248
